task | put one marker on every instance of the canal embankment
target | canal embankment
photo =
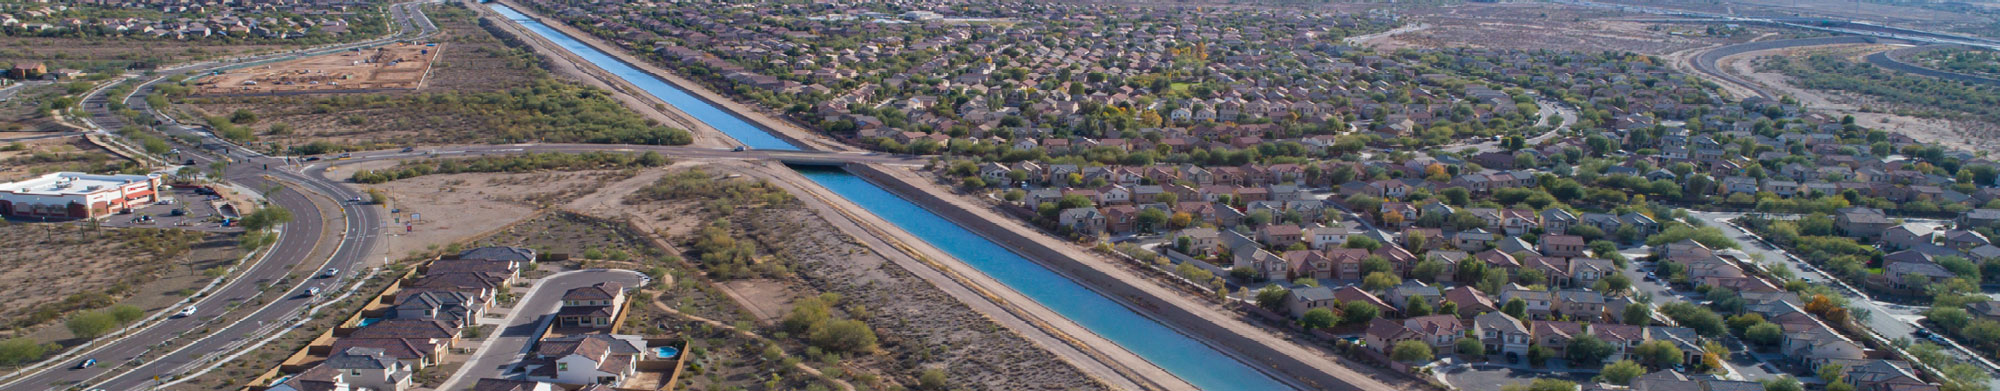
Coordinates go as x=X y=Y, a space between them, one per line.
x=1265 y=350
x=683 y=90
x=1197 y=348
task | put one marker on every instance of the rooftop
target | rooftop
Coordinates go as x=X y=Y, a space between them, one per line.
x=71 y=183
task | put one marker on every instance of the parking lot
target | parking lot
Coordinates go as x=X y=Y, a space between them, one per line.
x=178 y=208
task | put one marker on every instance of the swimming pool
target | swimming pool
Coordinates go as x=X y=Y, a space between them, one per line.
x=666 y=351
x=364 y=322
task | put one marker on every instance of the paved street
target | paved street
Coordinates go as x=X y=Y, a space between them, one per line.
x=499 y=354
x=140 y=359
x=1891 y=320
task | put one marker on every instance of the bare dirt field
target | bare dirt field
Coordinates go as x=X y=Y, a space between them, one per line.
x=468 y=60
x=395 y=66
x=55 y=269
x=1545 y=26
x=1962 y=135
x=458 y=207
x=34 y=158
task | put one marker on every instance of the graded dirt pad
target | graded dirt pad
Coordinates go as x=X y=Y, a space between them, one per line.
x=398 y=66
x=51 y=155
x=56 y=268
x=457 y=207
x=1546 y=26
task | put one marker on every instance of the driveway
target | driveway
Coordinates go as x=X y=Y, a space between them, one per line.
x=503 y=350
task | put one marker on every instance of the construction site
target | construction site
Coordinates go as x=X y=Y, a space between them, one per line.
x=401 y=65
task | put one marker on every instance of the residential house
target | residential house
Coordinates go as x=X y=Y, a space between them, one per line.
x=1502 y=334
x=370 y=369
x=586 y=359
x=1303 y=299
x=1470 y=301
x=595 y=306
x=1861 y=222
x=1566 y=246
x=1439 y=331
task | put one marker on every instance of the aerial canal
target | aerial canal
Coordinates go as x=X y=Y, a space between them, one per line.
x=1194 y=362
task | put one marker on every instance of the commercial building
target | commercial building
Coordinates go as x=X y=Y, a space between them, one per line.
x=75 y=195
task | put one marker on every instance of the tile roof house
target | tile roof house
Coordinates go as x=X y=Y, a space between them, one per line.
x=1555 y=335
x=1350 y=294
x=1470 y=301
x=586 y=359
x=1303 y=299
x=1439 y=331
x=457 y=308
x=317 y=377
x=1566 y=246
x=371 y=369
x=1885 y=375
x=594 y=306
x=1502 y=333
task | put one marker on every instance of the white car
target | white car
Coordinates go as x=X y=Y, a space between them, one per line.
x=329 y=273
x=186 y=312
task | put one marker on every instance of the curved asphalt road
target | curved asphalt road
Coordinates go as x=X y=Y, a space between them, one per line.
x=132 y=362
x=499 y=354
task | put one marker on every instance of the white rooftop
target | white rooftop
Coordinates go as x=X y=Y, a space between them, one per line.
x=71 y=183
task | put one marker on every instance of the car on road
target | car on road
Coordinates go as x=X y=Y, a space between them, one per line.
x=409 y=149
x=329 y=273
x=740 y=148
x=190 y=162
x=86 y=363
x=310 y=292
x=185 y=312
x=312 y=158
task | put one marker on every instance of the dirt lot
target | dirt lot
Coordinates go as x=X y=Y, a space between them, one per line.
x=438 y=210
x=468 y=60
x=1966 y=135
x=397 y=66
x=75 y=267
x=1544 y=26
x=66 y=154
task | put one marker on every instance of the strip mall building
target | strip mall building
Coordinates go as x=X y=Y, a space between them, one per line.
x=75 y=195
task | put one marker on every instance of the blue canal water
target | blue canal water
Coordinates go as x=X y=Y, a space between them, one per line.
x=1194 y=362
x=714 y=116
x=1198 y=364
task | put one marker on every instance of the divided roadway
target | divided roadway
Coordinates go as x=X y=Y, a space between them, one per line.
x=130 y=361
